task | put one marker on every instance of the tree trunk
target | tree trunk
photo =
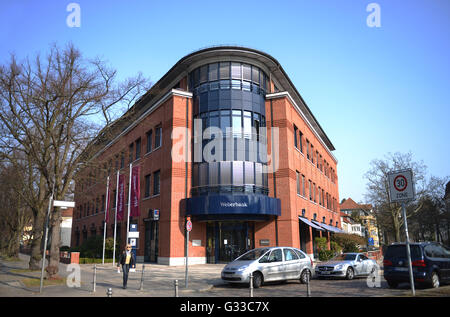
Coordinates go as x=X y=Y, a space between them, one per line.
x=36 y=253
x=55 y=224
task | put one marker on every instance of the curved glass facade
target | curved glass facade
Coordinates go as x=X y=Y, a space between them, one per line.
x=229 y=105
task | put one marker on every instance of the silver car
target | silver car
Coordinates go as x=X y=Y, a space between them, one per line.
x=346 y=265
x=269 y=264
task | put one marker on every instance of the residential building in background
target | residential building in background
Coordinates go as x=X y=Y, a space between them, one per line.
x=359 y=219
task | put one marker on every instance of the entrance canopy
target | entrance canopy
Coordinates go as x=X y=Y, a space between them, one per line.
x=328 y=227
x=309 y=223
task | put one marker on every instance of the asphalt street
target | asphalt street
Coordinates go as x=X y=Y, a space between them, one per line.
x=159 y=281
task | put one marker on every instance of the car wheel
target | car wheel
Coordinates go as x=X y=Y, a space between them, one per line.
x=306 y=274
x=350 y=274
x=392 y=284
x=257 y=279
x=435 y=280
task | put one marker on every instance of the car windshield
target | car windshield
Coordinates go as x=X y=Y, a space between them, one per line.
x=252 y=255
x=345 y=257
x=399 y=251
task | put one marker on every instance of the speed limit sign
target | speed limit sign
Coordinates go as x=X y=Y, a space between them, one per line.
x=401 y=187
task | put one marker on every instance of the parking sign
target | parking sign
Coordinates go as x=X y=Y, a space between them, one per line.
x=401 y=186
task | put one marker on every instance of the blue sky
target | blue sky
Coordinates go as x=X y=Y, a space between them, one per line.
x=373 y=90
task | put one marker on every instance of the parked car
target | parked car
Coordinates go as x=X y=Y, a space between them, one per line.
x=430 y=263
x=347 y=265
x=269 y=264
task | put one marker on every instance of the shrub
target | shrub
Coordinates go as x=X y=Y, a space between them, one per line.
x=325 y=255
x=348 y=242
x=93 y=248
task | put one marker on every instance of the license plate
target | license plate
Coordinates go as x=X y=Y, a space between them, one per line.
x=325 y=272
x=401 y=269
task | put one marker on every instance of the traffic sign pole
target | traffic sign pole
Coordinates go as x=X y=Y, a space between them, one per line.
x=401 y=190
x=408 y=252
x=188 y=229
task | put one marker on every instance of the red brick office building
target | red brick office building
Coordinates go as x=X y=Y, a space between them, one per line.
x=270 y=177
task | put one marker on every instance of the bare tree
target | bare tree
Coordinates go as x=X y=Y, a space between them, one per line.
x=389 y=214
x=52 y=109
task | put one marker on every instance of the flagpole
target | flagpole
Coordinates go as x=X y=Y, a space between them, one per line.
x=115 y=219
x=129 y=203
x=104 y=222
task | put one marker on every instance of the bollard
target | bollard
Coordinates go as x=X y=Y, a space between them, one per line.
x=308 y=290
x=176 y=287
x=251 y=284
x=109 y=292
x=95 y=277
x=141 y=288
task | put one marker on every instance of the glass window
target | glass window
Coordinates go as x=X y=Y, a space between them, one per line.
x=156 y=183
x=214 y=119
x=257 y=124
x=247 y=72
x=138 y=148
x=213 y=173
x=203 y=174
x=255 y=74
x=147 y=186
x=236 y=70
x=158 y=136
x=196 y=77
x=310 y=190
x=247 y=124
x=290 y=255
x=246 y=85
x=300 y=254
x=295 y=137
x=214 y=85
x=225 y=84
x=237 y=123
x=203 y=87
x=225 y=121
x=298 y=182
x=303 y=186
x=130 y=153
x=204 y=73
x=195 y=176
x=258 y=174
x=276 y=256
x=225 y=173
x=235 y=84
x=249 y=173
x=238 y=173
x=213 y=71
x=300 y=138
x=224 y=70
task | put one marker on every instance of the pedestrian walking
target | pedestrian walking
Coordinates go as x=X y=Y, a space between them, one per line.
x=127 y=260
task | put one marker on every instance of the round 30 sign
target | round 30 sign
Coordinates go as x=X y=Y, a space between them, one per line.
x=401 y=186
x=400 y=183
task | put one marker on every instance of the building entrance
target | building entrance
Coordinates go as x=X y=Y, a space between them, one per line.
x=151 y=241
x=227 y=240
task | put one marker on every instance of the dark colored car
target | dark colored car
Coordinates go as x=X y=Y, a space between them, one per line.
x=430 y=264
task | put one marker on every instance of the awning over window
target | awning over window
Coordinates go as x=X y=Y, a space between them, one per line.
x=328 y=227
x=309 y=223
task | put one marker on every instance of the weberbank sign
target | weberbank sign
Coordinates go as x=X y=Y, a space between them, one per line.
x=229 y=204
x=233 y=205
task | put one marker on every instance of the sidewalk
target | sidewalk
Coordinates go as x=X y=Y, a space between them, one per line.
x=158 y=280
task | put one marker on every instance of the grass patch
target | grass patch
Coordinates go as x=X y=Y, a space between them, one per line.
x=36 y=282
x=9 y=259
